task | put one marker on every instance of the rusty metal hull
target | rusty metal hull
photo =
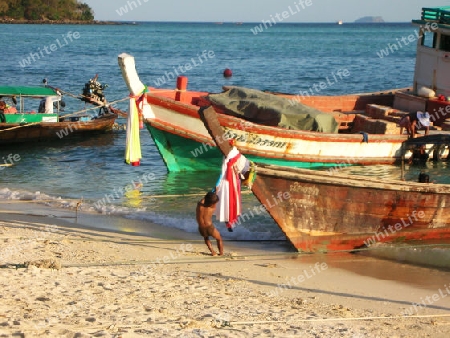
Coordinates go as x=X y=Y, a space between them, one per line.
x=321 y=211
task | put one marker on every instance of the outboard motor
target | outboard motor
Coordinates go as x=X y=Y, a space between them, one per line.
x=93 y=91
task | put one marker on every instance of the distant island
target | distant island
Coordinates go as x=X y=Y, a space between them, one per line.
x=370 y=19
x=45 y=11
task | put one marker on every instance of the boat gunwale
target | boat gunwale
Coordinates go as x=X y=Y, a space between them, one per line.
x=360 y=181
x=182 y=132
x=233 y=122
x=101 y=120
x=170 y=128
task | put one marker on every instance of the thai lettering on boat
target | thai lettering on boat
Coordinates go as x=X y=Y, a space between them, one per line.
x=305 y=190
x=270 y=143
x=253 y=139
x=229 y=134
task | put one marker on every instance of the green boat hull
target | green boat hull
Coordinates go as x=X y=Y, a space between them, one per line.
x=185 y=154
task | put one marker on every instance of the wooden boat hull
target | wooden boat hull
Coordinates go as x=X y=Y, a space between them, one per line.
x=322 y=211
x=21 y=133
x=173 y=121
x=185 y=144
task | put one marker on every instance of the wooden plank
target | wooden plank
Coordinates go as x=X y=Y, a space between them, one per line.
x=209 y=117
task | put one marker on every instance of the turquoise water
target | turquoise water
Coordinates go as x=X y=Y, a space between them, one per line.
x=285 y=58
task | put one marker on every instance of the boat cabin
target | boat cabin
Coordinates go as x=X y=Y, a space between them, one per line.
x=431 y=86
x=25 y=104
x=433 y=51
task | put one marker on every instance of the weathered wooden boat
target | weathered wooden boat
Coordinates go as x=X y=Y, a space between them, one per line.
x=330 y=211
x=33 y=114
x=368 y=131
x=322 y=211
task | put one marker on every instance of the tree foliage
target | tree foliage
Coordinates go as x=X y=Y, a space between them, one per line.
x=46 y=10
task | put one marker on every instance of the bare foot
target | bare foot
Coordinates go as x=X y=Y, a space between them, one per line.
x=221 y=254
x=213 y=253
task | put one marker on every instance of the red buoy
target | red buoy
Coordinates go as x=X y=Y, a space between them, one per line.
x=227 y=73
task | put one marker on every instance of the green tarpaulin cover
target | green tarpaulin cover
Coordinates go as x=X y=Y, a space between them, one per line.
x=272 y=110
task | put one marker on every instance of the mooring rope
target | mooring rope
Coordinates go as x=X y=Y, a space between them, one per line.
x=370 y=318
x=222 y=324
x=236 y=257
x=81 y=96
x=21 y=126
x=245 y=192
x=231 y=323
x=93 y=108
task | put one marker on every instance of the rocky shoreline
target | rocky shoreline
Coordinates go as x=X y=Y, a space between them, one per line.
x=61 y=22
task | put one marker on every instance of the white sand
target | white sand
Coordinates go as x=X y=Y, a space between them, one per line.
x=124 y=285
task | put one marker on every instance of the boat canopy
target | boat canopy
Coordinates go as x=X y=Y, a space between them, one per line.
x=432 y=70
x=439 y=15
x=35 y=91
x=272 y=110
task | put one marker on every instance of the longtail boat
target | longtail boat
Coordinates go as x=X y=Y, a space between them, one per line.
x=368 y=131
x=324 y=211
x=36 y=113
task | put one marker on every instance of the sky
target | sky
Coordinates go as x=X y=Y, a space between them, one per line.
x=258 y=10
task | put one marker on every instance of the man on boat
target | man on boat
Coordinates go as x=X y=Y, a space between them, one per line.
x=204 y=213
x=419 y=155
x=424 y=178
x=2 y=111
x=414 y=121
x=6 y=108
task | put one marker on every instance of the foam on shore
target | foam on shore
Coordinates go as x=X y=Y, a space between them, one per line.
x=250 y=230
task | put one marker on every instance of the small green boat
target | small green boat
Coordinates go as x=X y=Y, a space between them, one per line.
x=36 y=113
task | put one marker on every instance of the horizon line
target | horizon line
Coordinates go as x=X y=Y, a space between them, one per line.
x=252 y=22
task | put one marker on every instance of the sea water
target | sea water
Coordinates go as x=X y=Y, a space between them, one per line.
x=291 y=58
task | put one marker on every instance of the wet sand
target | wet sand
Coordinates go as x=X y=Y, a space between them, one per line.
x=112 y=277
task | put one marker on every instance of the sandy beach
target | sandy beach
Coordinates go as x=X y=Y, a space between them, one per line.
x=62 y=277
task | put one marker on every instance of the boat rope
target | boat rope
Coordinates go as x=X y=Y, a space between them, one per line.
x=245 y=192
x=371 y=318
x=223 y=324
x=286 y=254
x=231 y=323
x=68 y=115
x=81 y=97
x=93 y=108
x=236 y=257
x=247 y=257
x=20 y=126
x=190 y=260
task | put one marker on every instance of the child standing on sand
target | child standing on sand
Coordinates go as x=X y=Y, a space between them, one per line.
x=204 y=212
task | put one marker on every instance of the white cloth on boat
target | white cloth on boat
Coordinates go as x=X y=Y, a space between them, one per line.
x=46 y=105
x=423 y=118
x=223 y=186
